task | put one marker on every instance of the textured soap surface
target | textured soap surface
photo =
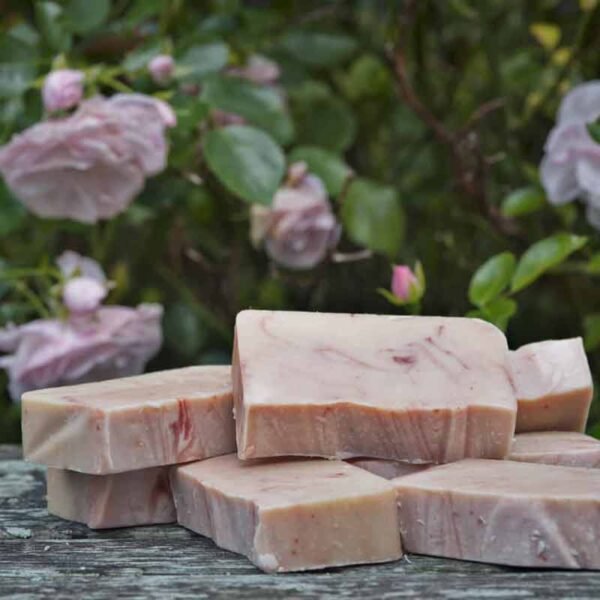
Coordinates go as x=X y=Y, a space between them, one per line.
x=290 y=515
x=419 y=389
x=503 y=512
x=140 y=497
x=131 y=423
x=553 y=385
x=388 y=469
x=567 y=448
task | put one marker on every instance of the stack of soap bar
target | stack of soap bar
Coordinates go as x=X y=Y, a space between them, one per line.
x=388 y=469
x=104 y=441
x=137 y=497
x=553 y=385
x=567 y=448
x=419 y=389
x=290 y=515
x=503 y=512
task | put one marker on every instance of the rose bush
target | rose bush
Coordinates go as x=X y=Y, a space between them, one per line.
x=412 y=157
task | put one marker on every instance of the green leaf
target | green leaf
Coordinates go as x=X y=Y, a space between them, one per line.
x=14 y=79
x=593 y=266
x=366 y=77
x=546 y=34
x=246 y=160
x=49 y=19
x=325 y=164
x=260 y=105
x=544 y=255
x=491 y=278
x=183 y=330
x=325 y=120
x=12 y=213
x=591 y=328
x=372 y=216
x=201 y=60
x=523 y=202
x=499 y=312
x=594 y=131
x=84 y=16
x=319 y=49
x=139 y=57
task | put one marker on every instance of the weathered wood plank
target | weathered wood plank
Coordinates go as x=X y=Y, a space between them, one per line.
x=42 y=556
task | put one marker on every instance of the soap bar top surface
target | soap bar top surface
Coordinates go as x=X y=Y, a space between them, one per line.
x=503 y=512
x=151 y=389
x=300 y=376
x=131 y=423
x=140 y=497
x=291 y=515
x=553 y=385
x=567 y=448
x=278 y=483
x=508 y=478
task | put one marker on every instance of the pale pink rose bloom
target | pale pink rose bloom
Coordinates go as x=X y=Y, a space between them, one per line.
x=83 y=295
x=92 y=164
x=62 y=89
x=570 y=168
x=161 y=68
x=73 y=264
x=403 y=281
x=115 y=341
x=299 y=229
x=259 y=69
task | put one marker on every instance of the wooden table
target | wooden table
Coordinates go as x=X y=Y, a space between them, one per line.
x=45 y=557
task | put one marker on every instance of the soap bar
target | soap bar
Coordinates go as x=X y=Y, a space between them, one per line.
x=289 y=515
x=554 y=385
x=567 y=448
x=388 y=469
x=131 y=423
x=419 y=389
x=140 y=497
x=503 y=512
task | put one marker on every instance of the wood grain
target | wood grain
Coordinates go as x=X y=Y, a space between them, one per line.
x=43 y=556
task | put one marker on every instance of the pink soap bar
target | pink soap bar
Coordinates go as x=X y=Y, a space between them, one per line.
x=289 y=515
x=388 y=469
x=554 y=385
x=120 y=500
x=131 y=423
x=418 y=389
x=567 y=448
x=503 y=512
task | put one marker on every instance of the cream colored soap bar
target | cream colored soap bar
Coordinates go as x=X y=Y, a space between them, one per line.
x=419 y=389
x=388 y=469
x=121 y=500
x=567 y=448
x=504 y=512
x=131 y=423
x=554 y=385
x=289 y=515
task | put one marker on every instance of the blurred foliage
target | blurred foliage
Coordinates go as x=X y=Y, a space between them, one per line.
x=490 y=245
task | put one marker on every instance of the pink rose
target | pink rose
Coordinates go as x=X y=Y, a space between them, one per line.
x=62 y=89
x=73 y=264
x=115 y=341
x=570 y=168
x=161 y=68
x=259 y=69
x=92 y=164
x=83 y=295
x=299 y=229
x=403 y=282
